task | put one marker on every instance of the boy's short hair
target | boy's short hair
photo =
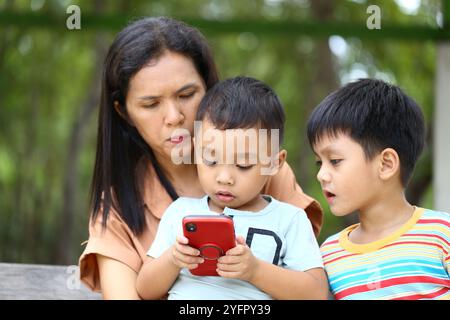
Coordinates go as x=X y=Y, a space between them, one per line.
x=375 y=114
x=241 y=103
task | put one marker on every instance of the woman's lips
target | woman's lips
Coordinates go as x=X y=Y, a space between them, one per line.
x=225 y=196
x=177 y=139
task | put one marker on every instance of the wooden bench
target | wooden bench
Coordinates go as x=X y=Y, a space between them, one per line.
x=42 y=282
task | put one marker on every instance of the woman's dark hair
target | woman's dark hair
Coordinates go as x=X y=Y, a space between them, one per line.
x=376 y=115
x=120 y=147
x=242 y=102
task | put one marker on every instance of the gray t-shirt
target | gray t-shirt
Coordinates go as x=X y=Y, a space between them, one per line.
x=280 y=234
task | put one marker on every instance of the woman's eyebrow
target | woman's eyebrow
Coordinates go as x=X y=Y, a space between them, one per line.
x=149 y=97
x=186 y=86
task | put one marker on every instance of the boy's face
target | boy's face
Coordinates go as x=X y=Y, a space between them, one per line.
x=233 y=174
x=349 y=181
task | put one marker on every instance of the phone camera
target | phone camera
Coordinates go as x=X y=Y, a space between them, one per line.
x=191 y=227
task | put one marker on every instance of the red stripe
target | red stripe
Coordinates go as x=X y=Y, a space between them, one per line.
x=339 y=258
x=424 y=296
x=426 y=235
x=414 y=242
x=391 y=282
x=439 y=221
x=331 y=253
x=329 y=242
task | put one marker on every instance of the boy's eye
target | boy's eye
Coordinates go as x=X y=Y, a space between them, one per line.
x=244 y=167
x=335 y=161
x=209 y=163
x=318 y=163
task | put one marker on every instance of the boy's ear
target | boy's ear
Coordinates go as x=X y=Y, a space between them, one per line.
x=121 y=114
x=389 y=164
x=280 y=159
x=282 y=155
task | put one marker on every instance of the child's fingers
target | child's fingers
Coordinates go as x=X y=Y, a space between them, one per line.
x=228 y=274
x=184 y=255
x=229 y=259
x=236 y=251
x=186 y=261
x=182 y=239
x=229 y=267
x=186 y=250
x=240 y=240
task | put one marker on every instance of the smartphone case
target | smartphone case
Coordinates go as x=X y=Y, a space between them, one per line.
x=213 y=236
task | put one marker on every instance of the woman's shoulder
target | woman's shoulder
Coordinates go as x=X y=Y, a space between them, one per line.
x=100 y=222
x=283 y=186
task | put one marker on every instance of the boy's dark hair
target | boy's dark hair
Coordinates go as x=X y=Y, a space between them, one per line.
x=376 y=115
x=242 y=102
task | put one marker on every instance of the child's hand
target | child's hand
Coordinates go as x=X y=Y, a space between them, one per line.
x=184 y=256
x=238 y=263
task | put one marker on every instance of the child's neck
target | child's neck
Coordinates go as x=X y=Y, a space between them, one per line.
x=255 y=205
x=382 y=219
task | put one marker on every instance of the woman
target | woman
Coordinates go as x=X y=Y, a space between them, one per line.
x=155 y=74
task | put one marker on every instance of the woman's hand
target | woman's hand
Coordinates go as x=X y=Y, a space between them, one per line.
x=238 y=262
x=185 y=256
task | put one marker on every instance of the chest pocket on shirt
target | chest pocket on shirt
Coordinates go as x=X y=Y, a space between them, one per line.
x=265 y=244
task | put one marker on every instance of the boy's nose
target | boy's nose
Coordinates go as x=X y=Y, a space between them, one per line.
x=323 y=175
x=225 y=178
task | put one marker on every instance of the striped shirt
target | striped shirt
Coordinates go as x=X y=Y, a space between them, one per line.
x=411 y=263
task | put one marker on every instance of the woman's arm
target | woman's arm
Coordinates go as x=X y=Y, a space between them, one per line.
x=114 y=287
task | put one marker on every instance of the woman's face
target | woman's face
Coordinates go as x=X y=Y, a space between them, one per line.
x=164 y=96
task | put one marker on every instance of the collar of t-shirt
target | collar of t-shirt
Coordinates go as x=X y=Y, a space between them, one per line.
x=272 y=204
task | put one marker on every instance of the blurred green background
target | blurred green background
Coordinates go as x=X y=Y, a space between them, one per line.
x=49 y=94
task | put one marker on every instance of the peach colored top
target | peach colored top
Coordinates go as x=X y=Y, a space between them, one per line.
x=118 y=242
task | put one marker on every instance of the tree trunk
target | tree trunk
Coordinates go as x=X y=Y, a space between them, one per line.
x=65 y=245
x=324 y=79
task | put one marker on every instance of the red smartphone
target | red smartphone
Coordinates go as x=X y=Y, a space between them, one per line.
x=213 y=236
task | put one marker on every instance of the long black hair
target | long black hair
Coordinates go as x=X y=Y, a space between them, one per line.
x=120 y=147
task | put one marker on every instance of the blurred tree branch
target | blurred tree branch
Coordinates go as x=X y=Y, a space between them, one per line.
x=314 y=29
x=71 y=183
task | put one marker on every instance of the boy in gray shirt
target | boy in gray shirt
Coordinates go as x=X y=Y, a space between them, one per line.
x=279 y=257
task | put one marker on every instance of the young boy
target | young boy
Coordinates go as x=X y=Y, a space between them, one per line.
x=367 y=137
x=276 y=254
